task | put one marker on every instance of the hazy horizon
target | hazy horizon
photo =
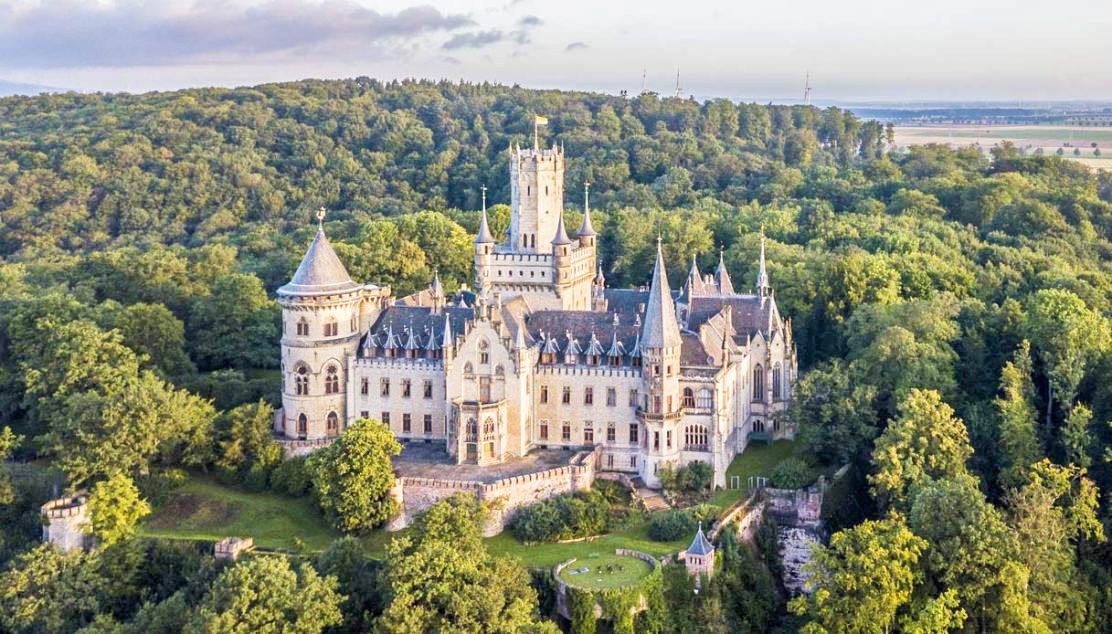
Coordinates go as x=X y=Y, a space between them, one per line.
x=858 y=50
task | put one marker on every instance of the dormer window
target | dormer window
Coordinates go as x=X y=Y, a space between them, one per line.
x=548 y=357
x=615 y=361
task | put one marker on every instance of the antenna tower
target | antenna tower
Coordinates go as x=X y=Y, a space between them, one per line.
x=807 y=89
x=644 y=74
x=679 y=89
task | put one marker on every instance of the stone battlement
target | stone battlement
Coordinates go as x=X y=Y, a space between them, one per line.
x=587 y=370
x=401 y=363
x=67 y=506
x=513 y=257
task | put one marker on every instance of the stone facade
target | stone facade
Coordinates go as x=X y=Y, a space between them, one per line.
x=541 y=355
x=232 y=547
x=66 y=520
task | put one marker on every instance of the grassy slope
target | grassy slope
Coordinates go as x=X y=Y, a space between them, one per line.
x=205 y=509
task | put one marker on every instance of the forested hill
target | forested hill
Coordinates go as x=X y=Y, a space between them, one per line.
x=81 y=172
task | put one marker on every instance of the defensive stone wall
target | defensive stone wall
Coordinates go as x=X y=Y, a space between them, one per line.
x=797 y=507
x=504 y=496
x=562 y=605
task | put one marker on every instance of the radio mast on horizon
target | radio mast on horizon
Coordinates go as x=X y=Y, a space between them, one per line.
x=807 y=89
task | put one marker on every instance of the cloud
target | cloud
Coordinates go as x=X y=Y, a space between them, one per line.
x=476 y=39
x=77 y=33
x=530 y=20
x=575 y=46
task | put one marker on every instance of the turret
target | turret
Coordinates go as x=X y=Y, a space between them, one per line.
x=320 y=331
x=586 y=234
x=484 y=251
x=660 y=343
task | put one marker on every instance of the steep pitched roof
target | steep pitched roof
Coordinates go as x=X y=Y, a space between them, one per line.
x=700 y=545
x=586 y=229
x=722 y=276
x=561 y=235
x=484 y=229
x=660 y=329
x=762 y=272
x=320 y=272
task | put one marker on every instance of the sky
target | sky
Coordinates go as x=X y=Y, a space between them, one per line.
x=742 y=49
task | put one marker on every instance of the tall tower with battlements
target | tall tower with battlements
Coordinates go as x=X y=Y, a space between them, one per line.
x=536 y=197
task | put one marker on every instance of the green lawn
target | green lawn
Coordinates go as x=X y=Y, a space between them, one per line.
x=548 y=555
x=758 y=459
x=623 y=571
x=204 y=509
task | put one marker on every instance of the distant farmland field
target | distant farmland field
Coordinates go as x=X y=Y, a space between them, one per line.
x=1029 y=138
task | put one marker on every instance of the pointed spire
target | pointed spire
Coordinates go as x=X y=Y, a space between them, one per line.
x=519 y=339
x=446 y=339
x=762 y=273
x=484 y=236
x=700 y=545
x=722 y=276
x=321 y=272
x=586 y=230
x=437 y=289
x=616 y=347
x=694 y=286
x=660 y=329
x=411 y=341
x=561 y=238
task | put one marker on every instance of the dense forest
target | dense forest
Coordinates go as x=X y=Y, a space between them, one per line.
x=951 y=311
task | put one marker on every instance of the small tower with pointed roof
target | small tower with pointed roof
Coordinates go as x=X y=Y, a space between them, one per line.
x=722 y=276
x=699 y=556
x=660 y=345
x=484 y=251
x=764 y=289
x=321 y=318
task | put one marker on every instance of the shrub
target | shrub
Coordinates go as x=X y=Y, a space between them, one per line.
x=256 y=477
x=290 y=477
x=670 y=525
x=695 y=477
x=158 y=486
x=792 y=473
x=563 y=517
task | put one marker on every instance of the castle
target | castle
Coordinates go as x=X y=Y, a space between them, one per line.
x=541 y=354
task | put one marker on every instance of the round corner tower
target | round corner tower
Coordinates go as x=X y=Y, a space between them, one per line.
x=321 y=324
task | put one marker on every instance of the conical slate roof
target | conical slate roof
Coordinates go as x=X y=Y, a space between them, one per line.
x=762 y=273
x=484 y=230
x=561 y=235
x=320 y=272
x=660 y=329
x=694 y=286
x=700 y=545
x=586 y=229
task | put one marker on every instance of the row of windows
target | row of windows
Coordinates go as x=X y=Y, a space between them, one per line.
x=406 y=387
x=331 y=327
x=610 y=461
x=407 y=422
x=589 y=432
x=589 y=396
x=549 y=358
x=510 y=273
x=779 y=390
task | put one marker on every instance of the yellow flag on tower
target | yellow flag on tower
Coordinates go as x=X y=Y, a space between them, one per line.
x=540 y=120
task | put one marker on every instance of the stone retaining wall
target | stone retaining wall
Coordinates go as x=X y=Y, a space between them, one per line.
x=562 y=587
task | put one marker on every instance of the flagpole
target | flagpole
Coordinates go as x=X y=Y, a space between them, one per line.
x=536 y=141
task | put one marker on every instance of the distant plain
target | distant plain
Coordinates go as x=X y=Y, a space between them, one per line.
x=1029 y=137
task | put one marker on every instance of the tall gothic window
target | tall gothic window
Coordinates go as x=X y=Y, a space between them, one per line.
x=758 y=383
x=695 y=437
x=331 y=380
x=705 y=399
x=302 y=426
x=301 y=381
x=333 y=424
x=688 y=397
x=776 y=382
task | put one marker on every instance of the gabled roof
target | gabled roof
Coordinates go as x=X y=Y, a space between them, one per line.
x=660 y=329
x=320 y=272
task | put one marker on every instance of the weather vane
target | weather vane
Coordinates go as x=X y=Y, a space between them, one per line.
x=320 y=217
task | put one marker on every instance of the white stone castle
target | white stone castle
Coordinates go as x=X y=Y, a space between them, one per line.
x=541 y=354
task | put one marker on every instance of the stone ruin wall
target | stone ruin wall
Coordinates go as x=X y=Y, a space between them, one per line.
x=66 y=520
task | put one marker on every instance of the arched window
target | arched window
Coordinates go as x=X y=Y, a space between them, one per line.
x=488 y=428
x=472 y=430
x=331 y=328
x=302 y=426
x=705 y=399
x=468 y=368
x=301 y=381
x=353 y=322
x=499 y=371
x=333 y=424
x=758 y=383
x=695 y=437
x=331 y=380
x=758 y=425
x=776 y=382
x=688 y=397
x=302 y=327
